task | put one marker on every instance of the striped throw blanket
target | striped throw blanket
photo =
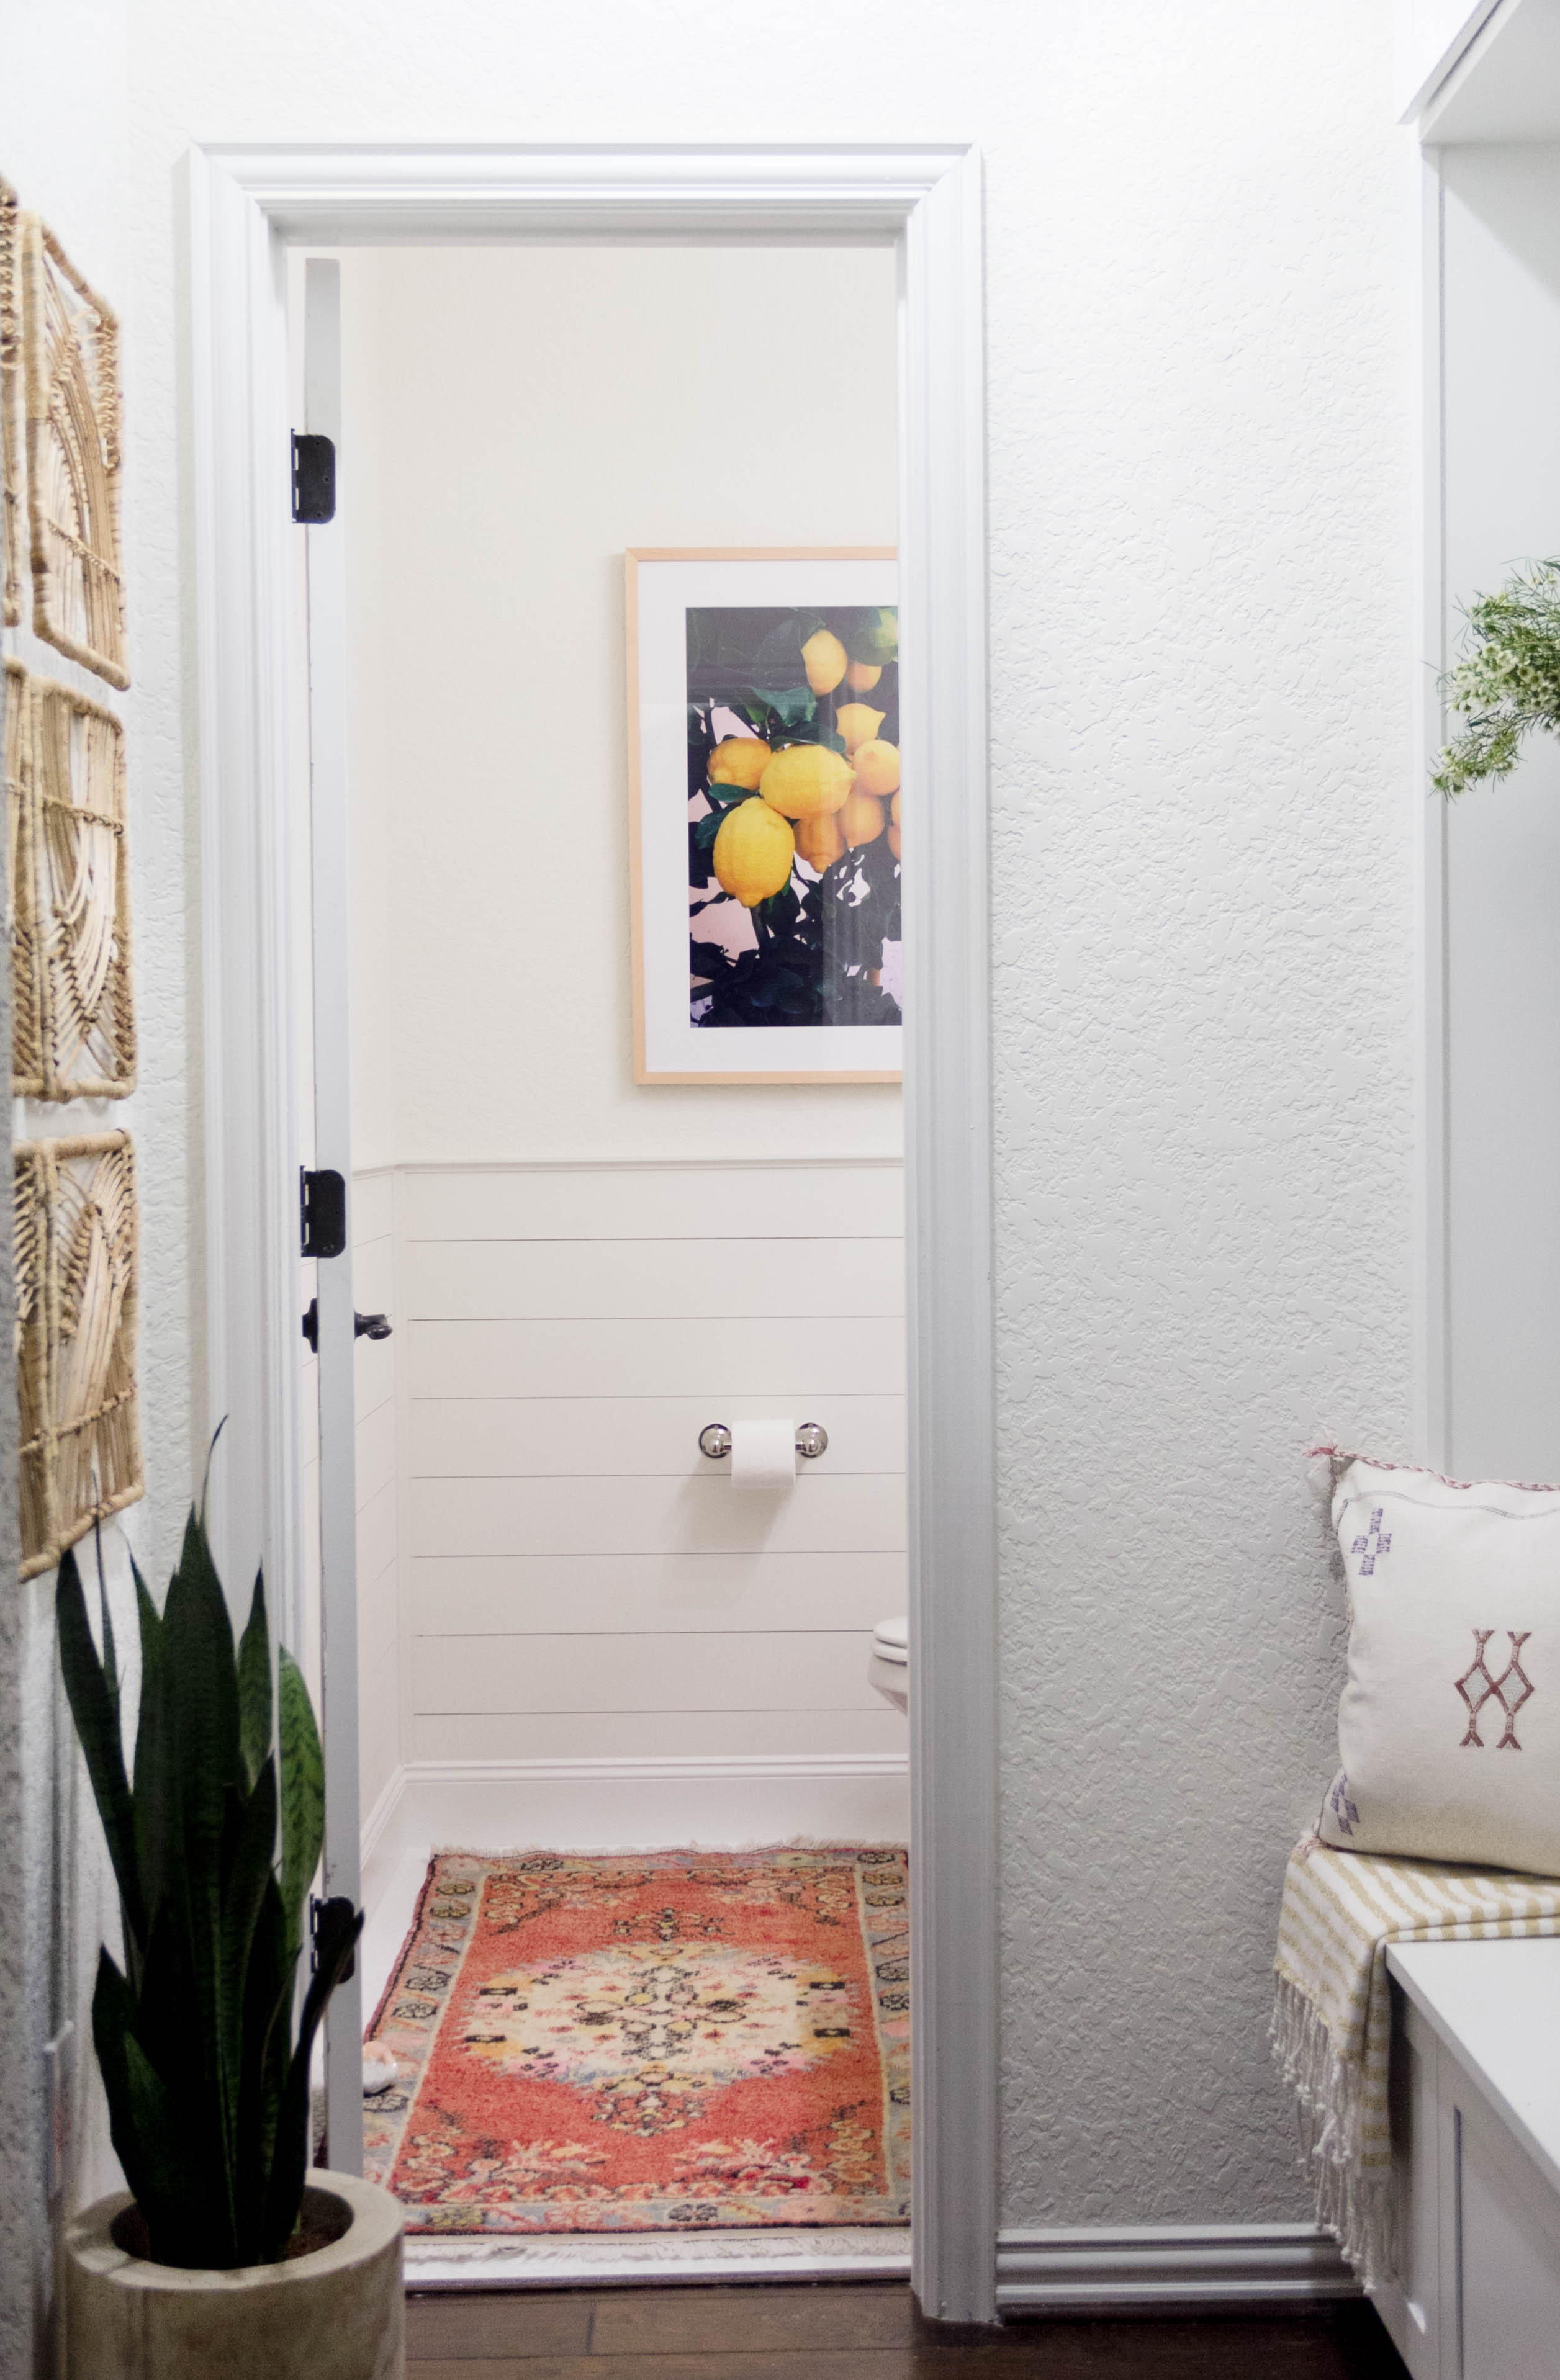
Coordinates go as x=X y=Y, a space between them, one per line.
x=1332 y=2022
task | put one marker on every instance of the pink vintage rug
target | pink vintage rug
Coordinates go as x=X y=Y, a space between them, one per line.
x=667 y=2041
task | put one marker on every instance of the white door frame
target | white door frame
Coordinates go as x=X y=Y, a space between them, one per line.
x=245 y=206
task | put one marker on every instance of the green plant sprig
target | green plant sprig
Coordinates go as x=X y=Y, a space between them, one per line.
x=208 y=2090
x=1509 y=683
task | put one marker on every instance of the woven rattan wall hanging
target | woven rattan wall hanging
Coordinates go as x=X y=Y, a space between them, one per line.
x=10 y=408
x=76 y=1237
x=27 y=1010
x=81 y=897
x=70 y=343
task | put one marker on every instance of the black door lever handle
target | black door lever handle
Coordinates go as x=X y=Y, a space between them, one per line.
x=364 y=1326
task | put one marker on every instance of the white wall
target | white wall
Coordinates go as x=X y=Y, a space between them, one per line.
x=514 y=420
x=528 y=415
x=1500 y=342
x=1198 y=223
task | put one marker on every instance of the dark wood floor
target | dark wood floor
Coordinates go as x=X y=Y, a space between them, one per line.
x=844 y=2332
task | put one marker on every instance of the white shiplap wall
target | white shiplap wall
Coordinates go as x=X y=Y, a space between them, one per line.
x=577 y=1581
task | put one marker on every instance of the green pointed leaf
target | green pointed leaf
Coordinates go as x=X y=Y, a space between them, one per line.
x=198 y=1636
x=247 y=1871
x=290 y=2166
x=268 y=1989
x=203 y=1707
x=303 y=1793
x=254 y=1686
x=95 y=1710
x=794 y=705
x=141 y=2122
x=156 y=1803
x=110 y=1662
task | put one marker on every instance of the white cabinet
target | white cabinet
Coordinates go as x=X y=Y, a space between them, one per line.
x=1476 y=2160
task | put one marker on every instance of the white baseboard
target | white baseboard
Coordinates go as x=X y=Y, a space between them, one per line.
x=1161 y=2268
x=384 y=1810
x=440 y=1794
x=657 y=2259
x=610 y=1771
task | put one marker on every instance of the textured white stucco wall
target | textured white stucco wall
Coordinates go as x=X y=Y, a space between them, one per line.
x=1198 y=255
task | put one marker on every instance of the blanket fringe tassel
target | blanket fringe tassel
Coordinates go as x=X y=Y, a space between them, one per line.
x=1354 y=2202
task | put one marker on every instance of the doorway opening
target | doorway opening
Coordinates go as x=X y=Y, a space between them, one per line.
x=624 y=1163
x=247 y=208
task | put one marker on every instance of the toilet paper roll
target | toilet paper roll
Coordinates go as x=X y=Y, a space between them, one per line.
x=763 y=1454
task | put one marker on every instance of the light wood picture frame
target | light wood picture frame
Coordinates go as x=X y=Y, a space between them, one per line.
x=766 y=948
x=76 y=1241
x=70 y=346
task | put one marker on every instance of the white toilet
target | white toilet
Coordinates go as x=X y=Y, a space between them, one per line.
x=889 y=1664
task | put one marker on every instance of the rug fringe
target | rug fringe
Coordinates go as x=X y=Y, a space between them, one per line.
x=1354 y=2202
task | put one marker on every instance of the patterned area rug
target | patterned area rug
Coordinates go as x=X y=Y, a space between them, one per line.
x=671 y=2041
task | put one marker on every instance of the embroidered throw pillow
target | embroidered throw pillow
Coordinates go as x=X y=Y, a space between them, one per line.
x=1449 y=1719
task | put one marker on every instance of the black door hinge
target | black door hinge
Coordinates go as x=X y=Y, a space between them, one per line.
x=314 y=478
x=328 y=1921
x=321 y=1212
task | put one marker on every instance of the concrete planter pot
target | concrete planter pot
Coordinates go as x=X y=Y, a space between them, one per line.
x=336 y=2313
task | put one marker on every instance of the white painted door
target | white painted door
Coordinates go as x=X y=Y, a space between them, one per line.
x=335 y=1321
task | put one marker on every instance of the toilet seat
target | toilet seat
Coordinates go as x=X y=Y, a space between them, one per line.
x=891 y=1640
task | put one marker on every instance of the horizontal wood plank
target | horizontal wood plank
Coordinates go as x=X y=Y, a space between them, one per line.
x=525 y=1280
x=703 y=2321
x=670 y=1735
x=375 y=1447
x=845 y=1514
x=622 y=1672
x=693 y=1202
x=584 y=1437
x=774 y=2363
x=785 y=1357
x=373 y=1206
x=376 y=1536
x=552 y=1595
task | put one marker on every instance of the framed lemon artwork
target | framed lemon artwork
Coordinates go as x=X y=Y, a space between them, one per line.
x=764 y=809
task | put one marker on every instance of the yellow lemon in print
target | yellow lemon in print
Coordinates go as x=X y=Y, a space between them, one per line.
x=893 y=841
x=806 y=781
x=824 y=660
x=861 y=676
x=754 y=853
x=893 y=809
x=739 y=761
x=858 y=723
x=820 y=842
x=877 y=768
x=862 y=821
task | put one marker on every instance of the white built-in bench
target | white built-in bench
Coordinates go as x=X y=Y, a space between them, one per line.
x=1476 y=2153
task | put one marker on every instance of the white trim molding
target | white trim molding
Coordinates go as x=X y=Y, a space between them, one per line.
x=721 y=1767
x=247 y=205
x=1168 y=2268
x=714 y=1769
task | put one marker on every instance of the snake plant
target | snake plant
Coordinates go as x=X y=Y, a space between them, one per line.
x=207 y=2080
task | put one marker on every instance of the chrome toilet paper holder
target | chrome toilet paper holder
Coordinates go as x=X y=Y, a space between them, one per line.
x=715 y=1440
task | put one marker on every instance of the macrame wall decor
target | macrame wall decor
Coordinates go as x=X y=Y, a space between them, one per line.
x=76 y=1236
x=82 y=897
x=70 y=341
x=10 y=409
x=27 y=1009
